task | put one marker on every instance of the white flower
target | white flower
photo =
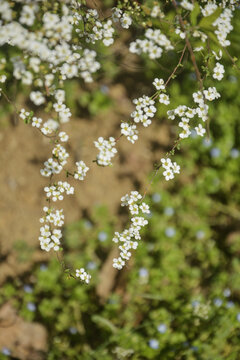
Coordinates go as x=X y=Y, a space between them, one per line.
x=63 y=136
x=200 y=130
x=133 y=209
x=3 y=78
x=168 y=174
x=164 y=99
x=37 y=98
x=145 y=208
x=187 y=5
x=107 y=150
x=185 y=132
x=180 y=110
x=159 y=84
x=82 y=170
x=176 y=168
x=118 y=263
x=59 y=106
x=218 y=71
x=211 y=94
x=190 y=113
x=83 y=275
x=198 y=97
x=36 y=122
x=166 y=163
x=46 y=129
x=171 y=114
x=155 y=11
x=125 y=21
x=130 y=131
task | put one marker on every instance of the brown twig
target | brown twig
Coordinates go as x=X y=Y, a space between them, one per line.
x=194 y=62
x=189 y=46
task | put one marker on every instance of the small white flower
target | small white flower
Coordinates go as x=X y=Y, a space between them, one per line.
x=200 y=130
x=218 y=71
x=159 y=84
x=3 y=78
x=145 y=208
x=166 y=163
x=164 y=99
x=168 y=174
x=125 y=21
x=63 y=136
x=118 y=263
x=36 y=122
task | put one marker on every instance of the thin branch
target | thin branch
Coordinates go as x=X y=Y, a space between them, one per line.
x=198 y=74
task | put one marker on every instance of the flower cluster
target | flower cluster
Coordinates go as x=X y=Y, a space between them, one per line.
x=124 y=18
x=102 y=32
x=169 y=168
x=107 y=150
x=128 y=239
x=63 y=112
x=55 y=192
x=82 y=170
x=51 y=45
x=218 y=71
x=153 y=44
x=144 y=110
x=224 y=27
x=130 y=131
x=49 y=237
x=83 y=275
x=186 y=114
x=55 y=164
x=156 y=12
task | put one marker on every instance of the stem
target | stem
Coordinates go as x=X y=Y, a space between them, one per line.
x=193 y=58
x=189 y=46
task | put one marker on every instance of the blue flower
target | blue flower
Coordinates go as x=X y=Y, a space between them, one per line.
x=200 y=234
x=217 y=302
x=6 y=351
x=162 y=328
x=72 y=330
x=31 y=306
x=207 y=142
x=169 y=211
x=195 y=303
x=28 y=289
x=143 y=272
x=234 y=153
x=215 y=152
x=43 y=267
x=88 y=225
x=102 y=236
x=91 y=265
x=156 y=198
x=227 y=292
x=170 y=232
x=154 y=344
x=229 y=304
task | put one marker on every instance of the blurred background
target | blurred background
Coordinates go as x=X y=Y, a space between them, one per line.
x=178 y=297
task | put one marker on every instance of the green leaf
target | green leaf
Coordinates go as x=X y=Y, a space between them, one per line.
x=194 y=14
x=104 y=323
x=207 y=21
